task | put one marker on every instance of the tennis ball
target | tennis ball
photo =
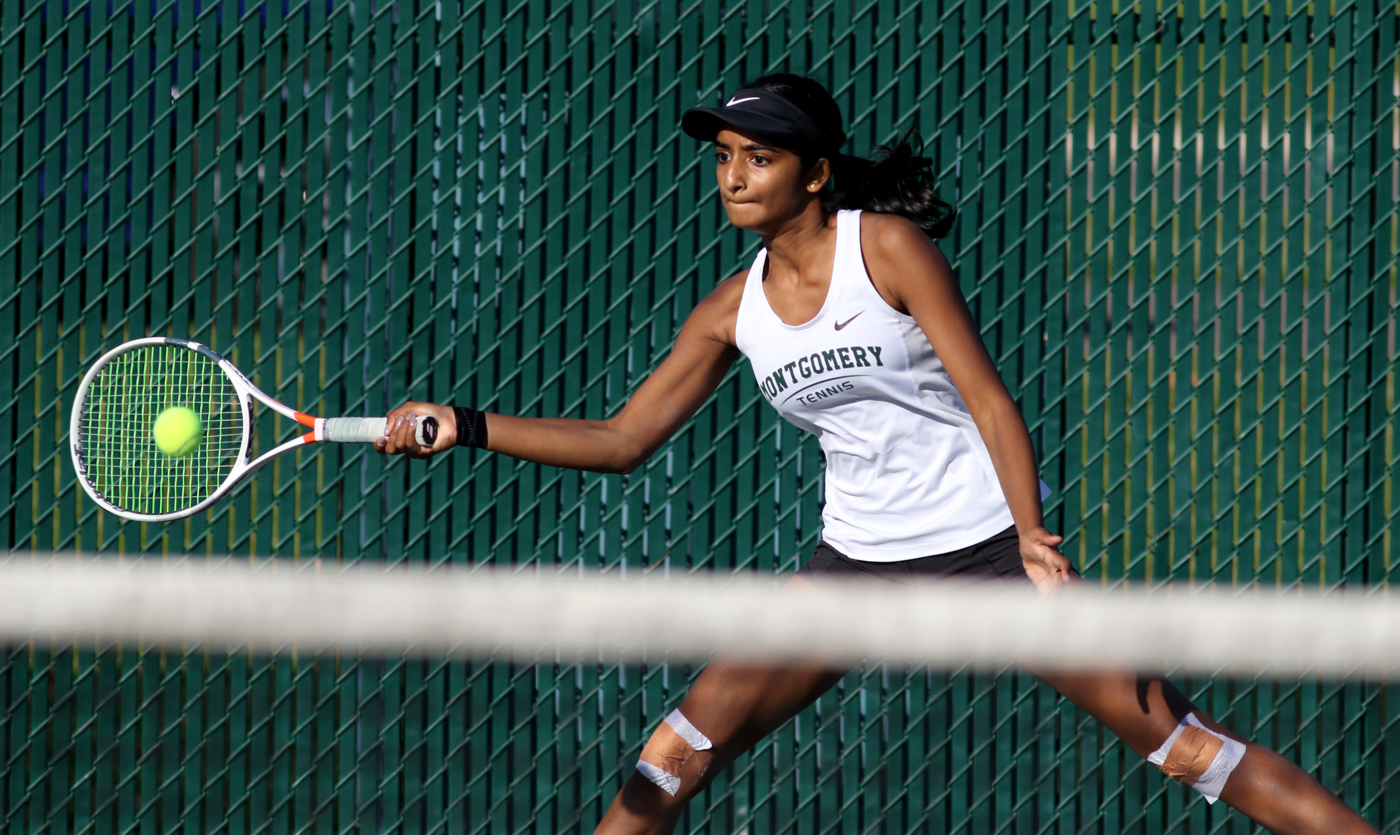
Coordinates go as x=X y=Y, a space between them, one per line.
x=177 y=431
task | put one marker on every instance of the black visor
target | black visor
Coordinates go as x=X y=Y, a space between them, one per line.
x=762 y=112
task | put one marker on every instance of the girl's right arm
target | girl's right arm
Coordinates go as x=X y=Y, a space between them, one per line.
x=703 y=352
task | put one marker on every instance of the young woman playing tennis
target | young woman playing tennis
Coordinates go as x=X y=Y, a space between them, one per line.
x=857 y=331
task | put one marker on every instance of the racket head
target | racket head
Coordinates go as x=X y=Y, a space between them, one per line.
x=110 y=432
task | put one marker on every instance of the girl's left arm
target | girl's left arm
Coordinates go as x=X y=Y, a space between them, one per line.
x=913 y=276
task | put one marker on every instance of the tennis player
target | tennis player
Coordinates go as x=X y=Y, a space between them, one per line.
x=857 y=332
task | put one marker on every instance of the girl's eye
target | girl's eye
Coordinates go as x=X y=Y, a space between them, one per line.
x=721 y=157
x=760 y=160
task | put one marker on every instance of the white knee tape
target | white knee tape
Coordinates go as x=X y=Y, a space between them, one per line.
x=1209 y=781
x=687 y=731
x=671 y=783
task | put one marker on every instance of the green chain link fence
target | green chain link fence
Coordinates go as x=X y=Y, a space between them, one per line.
x=1178 y=231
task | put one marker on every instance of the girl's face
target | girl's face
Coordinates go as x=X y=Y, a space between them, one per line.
x=761 y=185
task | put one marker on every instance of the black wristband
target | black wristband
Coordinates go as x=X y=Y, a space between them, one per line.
x=471 y=427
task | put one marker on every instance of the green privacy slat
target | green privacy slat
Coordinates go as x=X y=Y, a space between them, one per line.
x=1176 y=231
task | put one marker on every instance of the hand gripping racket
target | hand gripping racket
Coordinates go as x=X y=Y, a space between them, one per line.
x=114 y=448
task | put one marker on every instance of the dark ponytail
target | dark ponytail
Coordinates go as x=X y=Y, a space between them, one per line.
x=898 y=181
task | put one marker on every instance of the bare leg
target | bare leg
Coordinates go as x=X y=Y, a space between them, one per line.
x=734 y=705
x=1271 y=790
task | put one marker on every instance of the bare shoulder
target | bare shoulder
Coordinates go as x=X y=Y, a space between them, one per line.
x=892 y=237
x=899 y=254
x=730 y=290
x=715 y=315
x=724 y=299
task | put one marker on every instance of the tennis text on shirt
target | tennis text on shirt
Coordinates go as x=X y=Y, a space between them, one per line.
x=820 y=364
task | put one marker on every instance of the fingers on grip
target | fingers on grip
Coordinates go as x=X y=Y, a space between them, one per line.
x=378 y=430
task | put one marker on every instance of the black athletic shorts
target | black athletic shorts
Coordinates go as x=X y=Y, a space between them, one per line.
x=996 y=558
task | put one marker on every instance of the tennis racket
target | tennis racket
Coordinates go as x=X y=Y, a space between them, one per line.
x=114 y=448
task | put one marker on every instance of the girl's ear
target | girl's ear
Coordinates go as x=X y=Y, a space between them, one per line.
x=818 y=175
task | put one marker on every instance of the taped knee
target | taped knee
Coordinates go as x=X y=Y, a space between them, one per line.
x=674 y=745
x=1199 y=757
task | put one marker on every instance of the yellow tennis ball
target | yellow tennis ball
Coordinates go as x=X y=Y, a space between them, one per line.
x=177 y=431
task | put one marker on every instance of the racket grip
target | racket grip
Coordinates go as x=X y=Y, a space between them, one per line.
x=367 y=430
x=426 y=431
x=356 y=430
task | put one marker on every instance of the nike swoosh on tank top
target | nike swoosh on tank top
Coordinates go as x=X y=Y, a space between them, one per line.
x=907 y=472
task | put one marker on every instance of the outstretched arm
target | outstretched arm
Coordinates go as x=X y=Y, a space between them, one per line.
x=703 y=352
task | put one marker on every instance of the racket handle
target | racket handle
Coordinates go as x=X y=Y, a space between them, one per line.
x=426 y=432
x=367 y=430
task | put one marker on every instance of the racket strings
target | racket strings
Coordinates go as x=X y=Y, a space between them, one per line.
x=119 y=455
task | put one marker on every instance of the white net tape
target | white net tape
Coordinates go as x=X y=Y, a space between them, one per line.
x=527 y=614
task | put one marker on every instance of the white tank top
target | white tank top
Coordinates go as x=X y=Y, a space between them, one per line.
x=907 y=473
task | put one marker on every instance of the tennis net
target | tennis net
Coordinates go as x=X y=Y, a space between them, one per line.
x=574 y=614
